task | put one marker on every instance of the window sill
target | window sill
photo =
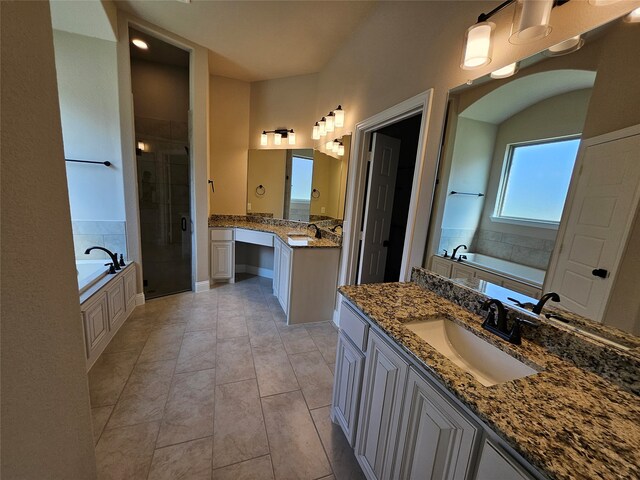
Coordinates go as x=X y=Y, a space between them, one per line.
x=525 y=223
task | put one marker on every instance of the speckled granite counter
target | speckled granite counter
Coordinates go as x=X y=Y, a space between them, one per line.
x=566 y=421
x=280 y=227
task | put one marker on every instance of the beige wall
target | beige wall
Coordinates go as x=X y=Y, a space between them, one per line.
x=229 y=127
x=46 y=420
x=266 y=168
x=322 y=171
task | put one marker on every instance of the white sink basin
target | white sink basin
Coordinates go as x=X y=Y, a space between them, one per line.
x=488 y=364
x=299 y=239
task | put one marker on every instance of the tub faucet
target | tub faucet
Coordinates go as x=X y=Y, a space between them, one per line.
x=114 y=256
x=455 y=250
x=547 y=296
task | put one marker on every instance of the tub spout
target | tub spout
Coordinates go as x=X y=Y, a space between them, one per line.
x=114 y=256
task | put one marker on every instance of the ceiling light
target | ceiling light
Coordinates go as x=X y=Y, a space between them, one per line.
x=323 y=126
x=531 y=21
x=505 y=72
x=315 y=135
x=330 y=122
x=140 y=43
x=633 y=17
x=339 y=113
x=570 y=45
x=477 y=51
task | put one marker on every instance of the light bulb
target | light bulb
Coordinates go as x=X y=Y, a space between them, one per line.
x=141 y=44
x=477 y=51
x=277 y=139
x=530 y=21
x=142 y=146
x=292 y=137
x=322 y=124
x=505 y=72
x=330 y=122
x=339 y=114
x=340 y=150
x=263 y=139
x=316 y=132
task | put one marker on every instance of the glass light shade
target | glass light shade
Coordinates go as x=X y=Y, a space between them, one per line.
x=633 y=17
x=478 y=46
x=142 y=146
x=315 y=135
x=570 y=45
x=277 y=139
x=263 y=139
x=292 y=137
x=141 y=44
x=323 y=127
x=336 y=145
x=339 y=114
x=340 y=150
x=602 y=3
x=329 y=146
x=530 y=21
x=330 y=122
x=505 y=72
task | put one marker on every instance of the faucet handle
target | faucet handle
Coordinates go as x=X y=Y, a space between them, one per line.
x=112 y=268
x=446 y=254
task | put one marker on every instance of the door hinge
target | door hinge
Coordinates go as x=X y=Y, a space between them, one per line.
x=370 y=157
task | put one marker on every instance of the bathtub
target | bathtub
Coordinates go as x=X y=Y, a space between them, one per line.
x=515 y=271
x=90 y=272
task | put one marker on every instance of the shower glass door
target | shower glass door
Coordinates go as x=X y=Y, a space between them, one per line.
x=165 y=218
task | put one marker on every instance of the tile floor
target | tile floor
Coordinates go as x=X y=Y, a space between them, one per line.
x=215 y=385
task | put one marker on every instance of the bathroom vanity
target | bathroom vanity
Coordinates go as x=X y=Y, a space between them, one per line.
x=304 y=268
x=409 y=407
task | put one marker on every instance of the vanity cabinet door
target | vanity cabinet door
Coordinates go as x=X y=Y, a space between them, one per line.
x=384 y=381
x=461 y=271
x=277 y=250
x=441 y=266
x=221 y=260
x=347 y=382
x=96 y=324
x=116 y=303
x=496 y=463
x=130 y=288
x=284 y=280
x=436 y=441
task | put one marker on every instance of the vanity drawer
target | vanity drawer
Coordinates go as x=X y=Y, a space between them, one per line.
x=221 y=234
x=353 y=326
x=257 y=238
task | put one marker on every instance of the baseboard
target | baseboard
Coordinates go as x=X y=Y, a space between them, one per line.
x=202 y=286
x=253 y=270
x=140 y=299
x=336 y=318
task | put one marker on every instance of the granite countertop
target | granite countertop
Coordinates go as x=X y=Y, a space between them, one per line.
x=567 y=422
x=281 y=231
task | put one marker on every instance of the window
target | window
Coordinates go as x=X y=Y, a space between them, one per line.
x=535 y=181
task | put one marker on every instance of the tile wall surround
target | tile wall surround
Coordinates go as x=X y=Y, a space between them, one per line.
x=530 y=251
x=618 y=366
x=110 y=235
x=450 y=238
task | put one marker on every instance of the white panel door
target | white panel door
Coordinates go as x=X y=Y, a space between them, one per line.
x=605 y=198
x=379 y=208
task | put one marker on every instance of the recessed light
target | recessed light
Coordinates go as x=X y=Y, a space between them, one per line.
x=140 y=44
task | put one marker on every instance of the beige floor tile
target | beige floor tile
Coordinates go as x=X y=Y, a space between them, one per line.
x=255 y=469
x=163 y=343
x=125 y=453
x=131 y=337
x=328 y=477
x=239 y=426
x=325 y=336
x=332 y=367
x=188 y=413
x=263 y=333
x=296 y=339
x=99 y=417
x=296 y=451
x=314 y=377
x=109 y=375
x=190 y=460
x=273 y=370
x=145 y=394
x=198 y=351
x=203 y=320
x=234 y=361
x=231 y=327
x=341 y=456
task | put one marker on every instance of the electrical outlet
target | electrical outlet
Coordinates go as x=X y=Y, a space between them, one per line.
x=249 y=206
x=322 y=210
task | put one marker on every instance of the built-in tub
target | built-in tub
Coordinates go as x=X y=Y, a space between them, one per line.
x=90 y=272
x=515 y=271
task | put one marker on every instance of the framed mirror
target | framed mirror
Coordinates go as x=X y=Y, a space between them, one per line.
x=539 y=179
x=298 y=184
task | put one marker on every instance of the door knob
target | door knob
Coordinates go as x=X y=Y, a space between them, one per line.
x=183 y=224
x=600 y=272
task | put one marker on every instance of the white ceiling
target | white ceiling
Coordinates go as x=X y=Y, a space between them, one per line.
x=258 y=40
x=509 y=99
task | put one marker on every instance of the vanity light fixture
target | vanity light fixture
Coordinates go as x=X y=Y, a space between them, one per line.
x=142 y=147
x=339 y=114
x=568 y=46
x=329 y=146
x=315 y=135
x=505 y=72
x=330 y=125
x=323 y=127
x=278 y=135
x=531 y=21
x=633 y=16
x=141 y=44
x=336 y=145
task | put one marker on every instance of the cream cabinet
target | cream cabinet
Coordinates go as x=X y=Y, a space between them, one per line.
x=130 y=289
x=462 y=271
x=221 y=254
x=495 y=463
x=95 y=319
x=283 y=275
x=116 y=303
x=441 y=266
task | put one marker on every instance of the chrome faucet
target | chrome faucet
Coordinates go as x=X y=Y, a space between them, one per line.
x=114 y=256
x=547 y=296
x=455 y=250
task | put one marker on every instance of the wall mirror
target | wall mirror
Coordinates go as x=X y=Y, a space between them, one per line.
x=532 y=196
x=298 y=184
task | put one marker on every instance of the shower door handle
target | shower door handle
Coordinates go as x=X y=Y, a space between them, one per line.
x=183 y=224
